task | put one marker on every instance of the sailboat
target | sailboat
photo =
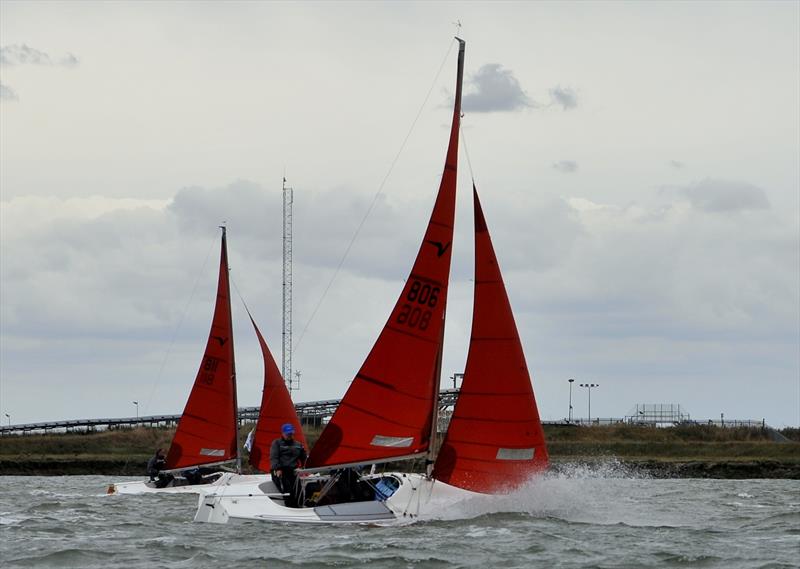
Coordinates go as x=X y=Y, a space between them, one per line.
x=276 y=410
x=206 y=440
x=495 y=442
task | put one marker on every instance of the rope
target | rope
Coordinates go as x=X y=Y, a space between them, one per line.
x=466 y=153
x=252 y=320
x=157 y=379
x=374 y=200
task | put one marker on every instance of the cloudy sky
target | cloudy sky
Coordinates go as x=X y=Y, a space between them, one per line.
x=637 y=162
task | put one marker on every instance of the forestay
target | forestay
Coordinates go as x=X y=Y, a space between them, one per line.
x=388 y=410
x=206 y=433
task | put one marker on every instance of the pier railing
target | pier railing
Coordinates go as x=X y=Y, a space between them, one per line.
x=310 y=413
x=318 y=412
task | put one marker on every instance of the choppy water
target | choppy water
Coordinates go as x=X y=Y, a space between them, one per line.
x=578 y=518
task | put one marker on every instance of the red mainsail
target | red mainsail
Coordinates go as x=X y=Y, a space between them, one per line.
x=277 y=409
x=495 y=441
x=387 y=411
x=207 y=429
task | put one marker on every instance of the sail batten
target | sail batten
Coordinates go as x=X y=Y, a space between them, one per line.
x=394 y=393
x=495 y=440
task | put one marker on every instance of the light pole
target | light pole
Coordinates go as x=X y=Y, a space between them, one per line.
x=9 y=419
x=571 y=381
x=137 y=411
x=589 y=387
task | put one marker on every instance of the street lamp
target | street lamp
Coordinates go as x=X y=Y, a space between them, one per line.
x=9 y=419
x=589 y=386
x=571 y=381
x=137 y=411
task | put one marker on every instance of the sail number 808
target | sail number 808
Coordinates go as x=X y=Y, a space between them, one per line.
x=414 y=313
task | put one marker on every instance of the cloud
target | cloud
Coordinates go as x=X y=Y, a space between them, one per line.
x=495 y=89
x=564 y=96
x=566 y=166
x=95 y=288
x=7 y=93
x=716 y=196
x=17 y=54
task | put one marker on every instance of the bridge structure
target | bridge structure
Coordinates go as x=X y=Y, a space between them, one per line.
x=317 y=413
x=310 y=413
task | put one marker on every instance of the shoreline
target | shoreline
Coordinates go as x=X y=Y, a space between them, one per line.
x=709 y=469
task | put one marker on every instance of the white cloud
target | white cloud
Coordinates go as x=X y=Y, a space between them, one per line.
x=588 y=281
x=566 y=97
x=725 y=196
x=21 y=54
x=566 y=166
x=7 y=93
x=495 y=89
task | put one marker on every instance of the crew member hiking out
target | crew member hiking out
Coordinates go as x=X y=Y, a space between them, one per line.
x=285 y=456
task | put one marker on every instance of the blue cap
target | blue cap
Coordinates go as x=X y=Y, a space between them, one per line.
x=287 y=429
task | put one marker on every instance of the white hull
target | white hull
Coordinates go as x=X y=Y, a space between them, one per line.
x=228 y=478
x=416 y=497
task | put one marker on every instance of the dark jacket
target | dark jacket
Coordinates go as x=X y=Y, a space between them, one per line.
x=155 y=464
x=286 y=454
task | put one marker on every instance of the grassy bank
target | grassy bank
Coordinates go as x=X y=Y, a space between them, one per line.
x=697 y=451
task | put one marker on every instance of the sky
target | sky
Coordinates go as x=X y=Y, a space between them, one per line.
x=638 y=165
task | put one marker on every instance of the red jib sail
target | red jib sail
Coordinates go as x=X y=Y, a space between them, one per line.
x=387 y=411
x=207 y=430
x=495 y=441
x=277 y=409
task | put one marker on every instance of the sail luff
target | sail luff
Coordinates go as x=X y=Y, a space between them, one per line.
x=206 y=432
x=276 y=409
x=451 y=162
x=389 y=408
x=495 y=441
x=233 y=351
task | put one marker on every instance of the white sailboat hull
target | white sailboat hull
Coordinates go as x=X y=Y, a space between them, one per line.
x=228 y=478
x=416 y=497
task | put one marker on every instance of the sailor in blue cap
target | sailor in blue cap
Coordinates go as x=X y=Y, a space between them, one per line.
x=285 y=456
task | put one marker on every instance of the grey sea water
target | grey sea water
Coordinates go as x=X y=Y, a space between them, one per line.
x=578 y=518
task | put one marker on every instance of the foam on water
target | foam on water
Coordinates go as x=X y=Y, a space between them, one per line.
x=597 y=493
x=576 y=516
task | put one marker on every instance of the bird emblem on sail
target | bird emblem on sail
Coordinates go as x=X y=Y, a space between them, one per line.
x=441 y=249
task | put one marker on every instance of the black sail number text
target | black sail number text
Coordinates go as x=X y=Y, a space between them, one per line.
x=420 y=298
x=208 y=370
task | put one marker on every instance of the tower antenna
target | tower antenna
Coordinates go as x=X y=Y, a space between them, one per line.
x=288 y=198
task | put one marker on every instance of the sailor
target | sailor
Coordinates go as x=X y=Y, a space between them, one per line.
x=156 y=463
x=285 y=456
x=154 y=466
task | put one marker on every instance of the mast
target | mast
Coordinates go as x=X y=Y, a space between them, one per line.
x=286 y=357
x=450 y=163
x=208 y=428
x=233 y=359
x=388 y=410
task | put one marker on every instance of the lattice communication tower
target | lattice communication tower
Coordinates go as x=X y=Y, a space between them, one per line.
x=288 y=199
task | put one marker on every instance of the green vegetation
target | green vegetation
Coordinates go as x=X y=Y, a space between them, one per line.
x=707 y=449
x=673 y=444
